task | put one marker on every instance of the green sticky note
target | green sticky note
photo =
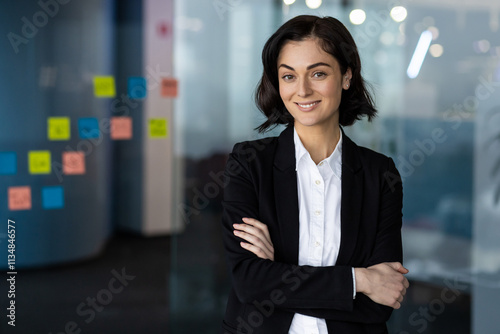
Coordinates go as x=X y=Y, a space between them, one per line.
x=58 y=128
x=158 y=128
x=104 y=86
x=39 y=162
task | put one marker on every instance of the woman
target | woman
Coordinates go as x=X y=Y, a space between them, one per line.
x=311 y=221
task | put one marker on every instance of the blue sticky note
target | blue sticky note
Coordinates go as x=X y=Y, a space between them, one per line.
x=53 y=197
x=8 y=163
x=136 y=87
x=88 y=127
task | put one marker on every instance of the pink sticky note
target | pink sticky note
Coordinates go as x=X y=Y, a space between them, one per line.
x=169 y=87
x=19 y=198
x=121 y=128
x=73 y=163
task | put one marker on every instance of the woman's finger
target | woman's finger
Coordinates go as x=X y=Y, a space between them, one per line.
x=257 y=251
x=256 y=223
x=254 y=240
x=253 y=230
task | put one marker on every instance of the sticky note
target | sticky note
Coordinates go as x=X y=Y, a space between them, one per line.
x=8 y=163
x=121 y=128
x=39 y=162
x=104 y=86
x=168 y=87
x=137 y=87
x=53 y=197
x=158 y=128
x=58 y=128
x=88 y=128
x=19 y=198
x=73 y=163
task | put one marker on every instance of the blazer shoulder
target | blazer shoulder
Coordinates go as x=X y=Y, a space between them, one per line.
x=374 y=160
x=255 y=150
x=369 y=154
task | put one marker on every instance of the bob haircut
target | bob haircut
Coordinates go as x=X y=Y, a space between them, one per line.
x=335 y=39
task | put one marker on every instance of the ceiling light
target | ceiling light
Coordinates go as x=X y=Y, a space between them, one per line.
x=357 y=16
x=399 y=13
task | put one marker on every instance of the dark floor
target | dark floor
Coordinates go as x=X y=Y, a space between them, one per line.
x=161 y=295
x=47 y=300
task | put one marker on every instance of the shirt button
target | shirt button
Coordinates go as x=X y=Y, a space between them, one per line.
x=318 y=182
x=317 y=212
x=321 y=163
x=317 y=244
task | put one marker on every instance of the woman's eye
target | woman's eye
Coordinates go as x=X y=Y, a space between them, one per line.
x=287 y=77
x=319 y=74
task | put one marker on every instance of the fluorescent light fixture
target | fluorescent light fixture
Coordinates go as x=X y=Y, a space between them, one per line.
x=313 y=4
x=357 y=16
x=419 y=55
x=288 y=2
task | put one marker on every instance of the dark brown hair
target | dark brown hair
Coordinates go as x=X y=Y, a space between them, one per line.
x=334 y=39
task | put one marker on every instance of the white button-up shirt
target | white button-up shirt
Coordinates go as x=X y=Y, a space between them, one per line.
x=319 y=193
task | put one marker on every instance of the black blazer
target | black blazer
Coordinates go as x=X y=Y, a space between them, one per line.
x=261 y=183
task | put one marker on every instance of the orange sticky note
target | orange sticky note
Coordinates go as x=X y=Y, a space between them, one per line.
x=168 y=87
x=73 y=163
x=121 y=128
x=19 y=198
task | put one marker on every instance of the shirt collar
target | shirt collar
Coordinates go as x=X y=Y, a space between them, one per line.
x=334 y=160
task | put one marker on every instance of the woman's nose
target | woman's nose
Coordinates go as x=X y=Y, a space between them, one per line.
x=304 y=88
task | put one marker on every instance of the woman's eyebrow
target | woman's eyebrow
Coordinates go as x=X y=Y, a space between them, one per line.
x=308 y=67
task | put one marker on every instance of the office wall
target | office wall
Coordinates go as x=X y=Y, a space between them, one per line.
x=48 y=63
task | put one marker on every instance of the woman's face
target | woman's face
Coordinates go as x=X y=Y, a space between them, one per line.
x=310 y=83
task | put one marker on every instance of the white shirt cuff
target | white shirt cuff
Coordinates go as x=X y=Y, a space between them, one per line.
x=353 y=284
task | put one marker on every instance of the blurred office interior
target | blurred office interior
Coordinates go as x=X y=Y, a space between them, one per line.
x=116 y=119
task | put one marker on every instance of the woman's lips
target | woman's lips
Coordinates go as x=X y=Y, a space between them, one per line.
x=307 y=106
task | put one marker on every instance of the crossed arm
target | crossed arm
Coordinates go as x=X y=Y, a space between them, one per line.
x=383 y=283
x=324 y=292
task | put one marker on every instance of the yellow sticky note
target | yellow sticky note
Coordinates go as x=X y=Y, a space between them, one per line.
x=58 y=128
x=39 y=162
x=158 y=128
x=104 y=86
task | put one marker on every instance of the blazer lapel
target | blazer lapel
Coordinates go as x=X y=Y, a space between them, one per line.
x=285 y=191
x=287 y=203
x=351 y=200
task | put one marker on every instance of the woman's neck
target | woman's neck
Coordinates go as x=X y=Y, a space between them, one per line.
x=319 y=141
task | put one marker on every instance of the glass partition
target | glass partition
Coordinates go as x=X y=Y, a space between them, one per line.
x=439 y=119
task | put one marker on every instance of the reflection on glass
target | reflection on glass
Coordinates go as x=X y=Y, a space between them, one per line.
x=435 y=126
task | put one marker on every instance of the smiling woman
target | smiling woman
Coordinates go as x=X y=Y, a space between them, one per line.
x=311 y=90
x=328 y=39
x=311 y=221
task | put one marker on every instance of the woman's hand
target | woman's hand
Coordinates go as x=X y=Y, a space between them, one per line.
x=383 y=283
x=257 y=235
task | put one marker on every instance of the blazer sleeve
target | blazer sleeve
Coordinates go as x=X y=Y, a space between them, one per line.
x=296 y=288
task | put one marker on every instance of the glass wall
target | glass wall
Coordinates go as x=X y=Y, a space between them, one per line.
x=438 y=119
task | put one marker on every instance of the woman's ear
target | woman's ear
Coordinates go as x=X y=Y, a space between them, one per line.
x=346 y=81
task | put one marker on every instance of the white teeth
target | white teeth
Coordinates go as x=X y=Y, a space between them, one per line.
x=307 y=105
